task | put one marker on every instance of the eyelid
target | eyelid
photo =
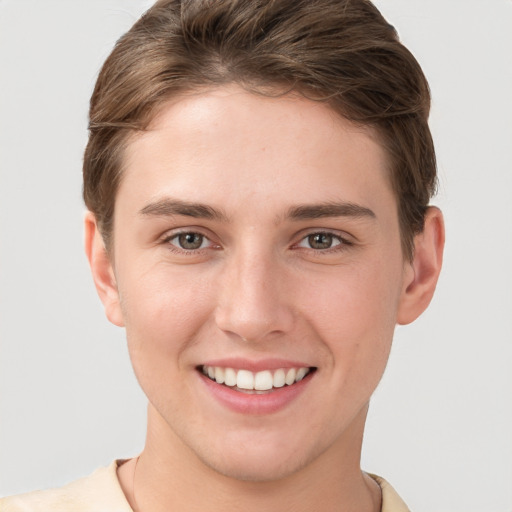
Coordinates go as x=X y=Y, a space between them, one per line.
x=337 y=240
x=345 y=240
x=172 y=234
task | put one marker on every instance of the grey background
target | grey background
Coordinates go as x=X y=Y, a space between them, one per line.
x=440 y=427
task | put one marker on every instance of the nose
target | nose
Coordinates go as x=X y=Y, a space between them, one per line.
x=253 y=302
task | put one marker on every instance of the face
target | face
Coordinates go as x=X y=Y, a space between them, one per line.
x=259 y=271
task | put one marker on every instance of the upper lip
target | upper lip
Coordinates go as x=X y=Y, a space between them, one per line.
x=255 y=366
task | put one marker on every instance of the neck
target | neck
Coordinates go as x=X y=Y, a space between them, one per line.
x=169 y=476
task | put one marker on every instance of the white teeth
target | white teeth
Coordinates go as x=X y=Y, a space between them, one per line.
x=229 y=377
x=279 y=378
x=219 y=374
x=260 y=381
x=263 y=381
x=245 y=379
x=290 y=376
x=301 y=373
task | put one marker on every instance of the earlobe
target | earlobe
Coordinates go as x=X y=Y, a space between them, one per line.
x=423 y=272
x=102 y=271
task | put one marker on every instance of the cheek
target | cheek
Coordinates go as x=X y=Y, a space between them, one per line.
x=356 y=317
x=357 y=299
x=163 y=310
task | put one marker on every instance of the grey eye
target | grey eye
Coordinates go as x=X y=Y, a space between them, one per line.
x=190 y=241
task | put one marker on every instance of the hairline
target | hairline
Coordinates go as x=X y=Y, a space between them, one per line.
x=274 y=90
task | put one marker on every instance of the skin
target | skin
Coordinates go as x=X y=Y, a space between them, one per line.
x=257 y=288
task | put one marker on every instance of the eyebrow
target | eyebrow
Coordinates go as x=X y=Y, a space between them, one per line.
x=170 y=207
x=331 y=209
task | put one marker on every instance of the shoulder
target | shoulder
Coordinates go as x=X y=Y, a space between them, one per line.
x=98 y=491
x=391 y=502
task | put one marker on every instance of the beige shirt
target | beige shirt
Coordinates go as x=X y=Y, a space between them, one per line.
x=101 y=492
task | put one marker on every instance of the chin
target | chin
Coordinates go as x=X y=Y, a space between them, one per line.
x=254 y=469
x=258 y=458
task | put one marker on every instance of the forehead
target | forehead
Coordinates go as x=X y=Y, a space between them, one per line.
x=284 y=149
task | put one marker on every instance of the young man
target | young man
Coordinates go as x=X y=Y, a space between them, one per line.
x=257 y=176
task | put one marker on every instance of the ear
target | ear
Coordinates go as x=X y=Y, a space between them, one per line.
x=102 y=270
x=423 y=271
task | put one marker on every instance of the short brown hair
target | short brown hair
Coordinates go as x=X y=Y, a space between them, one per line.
x=342 y=52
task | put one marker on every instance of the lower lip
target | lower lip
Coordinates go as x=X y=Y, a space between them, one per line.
x=264 y=403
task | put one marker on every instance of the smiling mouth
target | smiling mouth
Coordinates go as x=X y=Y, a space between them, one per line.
x=264 y=381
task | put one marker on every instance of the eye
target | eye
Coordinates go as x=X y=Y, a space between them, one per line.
x=321 y=241
x=189 y=241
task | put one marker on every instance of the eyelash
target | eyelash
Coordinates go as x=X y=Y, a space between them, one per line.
x=176 y=248
x=340 y=243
